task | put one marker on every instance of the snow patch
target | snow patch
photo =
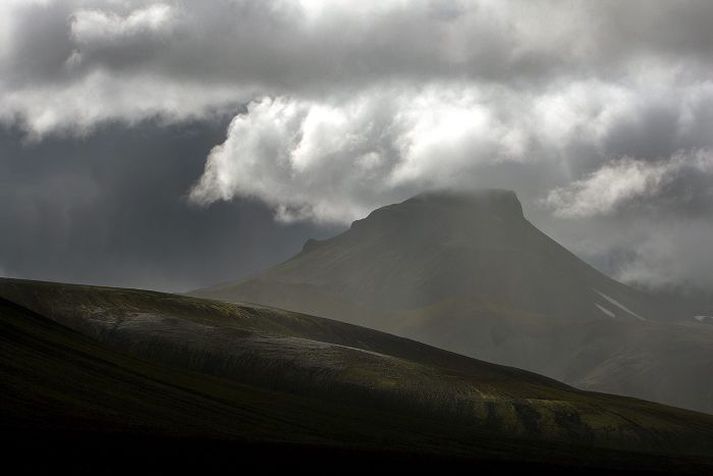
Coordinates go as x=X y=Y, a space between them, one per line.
x=605 y=310
x=703 y=318
x=620 y=305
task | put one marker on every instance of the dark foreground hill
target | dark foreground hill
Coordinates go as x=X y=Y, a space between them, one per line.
x=468 y=273
x=111 y=379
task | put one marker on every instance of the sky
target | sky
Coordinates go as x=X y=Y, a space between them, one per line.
x=176 y=144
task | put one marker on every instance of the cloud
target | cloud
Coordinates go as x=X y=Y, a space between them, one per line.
x=335 y=160
x=608 y=187
x=627 y=180
x=96 y=26
x=100 y=98
x=303 y=48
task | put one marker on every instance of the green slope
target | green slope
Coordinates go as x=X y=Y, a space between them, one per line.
x=88 y=359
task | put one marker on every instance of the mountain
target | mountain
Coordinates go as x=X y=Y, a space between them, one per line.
x=103 y=378
x=467 y=272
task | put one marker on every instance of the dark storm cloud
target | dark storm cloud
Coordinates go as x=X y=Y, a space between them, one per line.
x=296 y=45
x=82 y=49
x=596 y=113
x=112 y=209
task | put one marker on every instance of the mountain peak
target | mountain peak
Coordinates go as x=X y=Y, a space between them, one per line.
x=455 y=206
x=498 y=201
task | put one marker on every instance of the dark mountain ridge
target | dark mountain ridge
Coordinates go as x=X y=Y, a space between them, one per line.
x=469 y=273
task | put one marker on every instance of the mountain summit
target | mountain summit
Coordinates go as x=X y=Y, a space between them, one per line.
x=469 y=273
x=455 y=206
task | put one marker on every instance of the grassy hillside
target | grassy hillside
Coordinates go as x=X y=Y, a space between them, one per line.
x=87 y=360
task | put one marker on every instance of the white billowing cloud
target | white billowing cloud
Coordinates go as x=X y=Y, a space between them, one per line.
x=620 y=182
x=310 y=159
x=336 y=158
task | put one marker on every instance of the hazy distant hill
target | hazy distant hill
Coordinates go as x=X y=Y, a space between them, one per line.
x=468 y=273
x=100 y=368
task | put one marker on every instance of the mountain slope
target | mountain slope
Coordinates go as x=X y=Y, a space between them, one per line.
x=78 y=359
x=437 y=247
x=468 y=273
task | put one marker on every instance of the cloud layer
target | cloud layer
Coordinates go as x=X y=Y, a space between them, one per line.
x=595 y=112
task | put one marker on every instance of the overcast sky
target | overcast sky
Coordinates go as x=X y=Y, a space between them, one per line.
x=180 y=143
